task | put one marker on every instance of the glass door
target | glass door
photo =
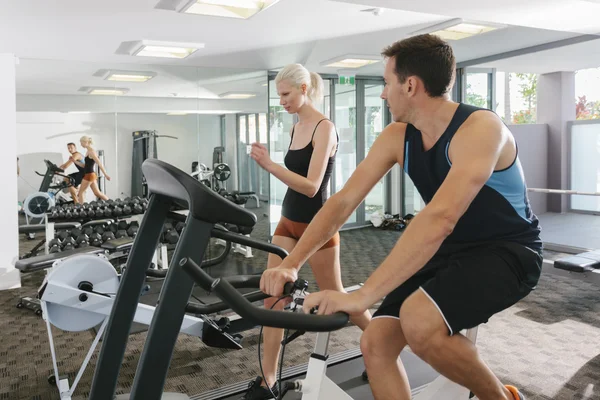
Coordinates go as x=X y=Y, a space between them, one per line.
x=374 y=122
x=263 y=176
x=280 y=125
x=479 y=88
x=243 y=156
x=345 y=121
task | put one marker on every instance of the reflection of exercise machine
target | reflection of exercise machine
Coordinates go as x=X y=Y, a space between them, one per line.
x=79 y=292
x=37 y=204
x=144 y=146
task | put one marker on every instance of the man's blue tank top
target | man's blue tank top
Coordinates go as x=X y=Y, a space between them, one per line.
x=500 y=211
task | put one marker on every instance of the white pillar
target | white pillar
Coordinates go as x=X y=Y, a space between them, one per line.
x=556 y=106
x=9 y=236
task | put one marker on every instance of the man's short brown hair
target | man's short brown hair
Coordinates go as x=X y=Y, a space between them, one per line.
x=427 y=56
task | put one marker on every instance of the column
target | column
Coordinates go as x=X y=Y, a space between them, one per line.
x=9 y=237
x=556 y=106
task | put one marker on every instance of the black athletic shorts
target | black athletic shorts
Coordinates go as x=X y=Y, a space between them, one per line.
x=470 y=283
x=78 y=176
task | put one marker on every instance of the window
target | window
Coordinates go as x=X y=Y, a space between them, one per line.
x=516 y=97
x=587 y=94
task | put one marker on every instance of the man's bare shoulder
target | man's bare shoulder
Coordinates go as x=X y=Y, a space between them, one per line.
x=391 y=140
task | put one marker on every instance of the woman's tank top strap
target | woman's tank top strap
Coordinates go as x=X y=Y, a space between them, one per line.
x=316 y=126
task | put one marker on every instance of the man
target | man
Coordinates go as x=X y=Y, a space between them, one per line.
x=77 y=159
x=474 y=249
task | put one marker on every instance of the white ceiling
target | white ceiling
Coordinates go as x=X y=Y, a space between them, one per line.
x=62 y=44
x=568 y=58
x=579 y=16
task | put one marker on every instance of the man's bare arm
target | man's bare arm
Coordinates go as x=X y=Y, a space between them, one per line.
x=381 y=158
x=477 y=147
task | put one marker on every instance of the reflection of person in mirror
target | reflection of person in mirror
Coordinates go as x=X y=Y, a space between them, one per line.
x=90 y=178
x=75 y=158
x=309 y=160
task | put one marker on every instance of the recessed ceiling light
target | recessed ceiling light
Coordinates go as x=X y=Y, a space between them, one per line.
x=125 y=76
x=152 y=48
x=240 y=9
x=108 y=91
x=457 y=29
x=351 y=61
x=237 y=95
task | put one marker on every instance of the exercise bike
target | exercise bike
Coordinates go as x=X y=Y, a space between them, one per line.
x=78 y=294
x=50 y=194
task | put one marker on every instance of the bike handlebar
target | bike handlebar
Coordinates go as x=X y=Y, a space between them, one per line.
x=260 y=316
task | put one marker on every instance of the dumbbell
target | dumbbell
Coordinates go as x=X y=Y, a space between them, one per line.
x=122 y=224
x=99 y=229
x=88 y=230
x=126 y=209
x=112 y=228
x=68 y=244
x=61 y=214
x=75 y=232
x=62 y=235
x=81 y=239
x=83 y=213
x=118 y=211
x=54 y=242
x=121 y=234
x=110 y=202
x=179 y=227
x=137 y=208
x=170 y=234
x=108 y=235
x=99 y=212
x=133 y=229
x=96 y=239
x=172 y=237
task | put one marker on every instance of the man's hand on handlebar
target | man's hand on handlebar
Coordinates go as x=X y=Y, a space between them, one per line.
x=330 y=301
x=273 y=280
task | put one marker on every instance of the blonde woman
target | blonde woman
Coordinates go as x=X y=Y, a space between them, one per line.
x=90 y=178
x=308 y=166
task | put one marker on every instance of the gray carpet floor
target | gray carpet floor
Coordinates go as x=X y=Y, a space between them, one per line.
x=548 y=344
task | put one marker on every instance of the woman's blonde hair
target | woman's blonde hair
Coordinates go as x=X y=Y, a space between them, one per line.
x=87 y=139
x=297 y=74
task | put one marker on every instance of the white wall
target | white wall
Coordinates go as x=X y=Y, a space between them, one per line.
x=231 y=146
x=49 y=132
x=556 y=106
x=533 y=154
x=9 y=245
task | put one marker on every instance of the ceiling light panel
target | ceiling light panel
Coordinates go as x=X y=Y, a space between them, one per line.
x=150 y=48
x=351 y=61
x=107 y=91
x=237 y=95
x=240 y=9
x=125 y=76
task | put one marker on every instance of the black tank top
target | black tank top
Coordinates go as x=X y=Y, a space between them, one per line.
x=500 y=211
x=296 y=206
x=89 y=165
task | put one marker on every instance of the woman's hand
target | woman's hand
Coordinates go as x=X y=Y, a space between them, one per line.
x=260 y=154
